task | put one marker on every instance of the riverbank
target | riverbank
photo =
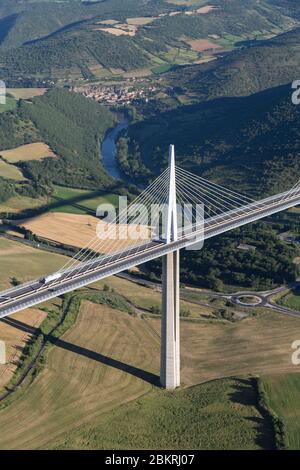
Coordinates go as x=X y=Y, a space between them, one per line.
x=109 y=149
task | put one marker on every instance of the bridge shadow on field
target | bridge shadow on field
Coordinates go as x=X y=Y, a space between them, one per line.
x=93 y=355
x=77 y=202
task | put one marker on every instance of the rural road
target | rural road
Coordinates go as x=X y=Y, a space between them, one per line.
x=264 y=298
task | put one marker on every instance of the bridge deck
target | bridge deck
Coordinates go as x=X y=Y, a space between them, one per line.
x=35 y=292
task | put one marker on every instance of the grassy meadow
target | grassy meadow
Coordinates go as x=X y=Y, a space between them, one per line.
x=105 y=367
x=15 y=340
x=291 y=299
x=283 y=395
x=79 y=201
x=10 y=105
x=217 y=415
x=145 y=298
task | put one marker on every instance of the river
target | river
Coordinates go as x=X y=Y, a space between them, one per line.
x=109 y=149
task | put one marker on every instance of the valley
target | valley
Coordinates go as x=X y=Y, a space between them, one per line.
x=97 y=91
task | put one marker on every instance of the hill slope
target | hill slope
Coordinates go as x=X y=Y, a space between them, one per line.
x=252 y=142
x=73 y=127
x=38 y=19
x=243 y=71
x=69 y=41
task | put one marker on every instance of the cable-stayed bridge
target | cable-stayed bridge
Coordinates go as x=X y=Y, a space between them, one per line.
x=221 y=210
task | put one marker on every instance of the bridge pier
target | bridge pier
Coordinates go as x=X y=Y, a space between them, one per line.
x=170 y=327
x=170 y=334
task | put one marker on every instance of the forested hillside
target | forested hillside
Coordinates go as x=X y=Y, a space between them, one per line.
x=65 y=40
x=73 y=127
x=27 y=21
x=243 y=71
x=270 y=262
x=252 y=143
x=288 y=7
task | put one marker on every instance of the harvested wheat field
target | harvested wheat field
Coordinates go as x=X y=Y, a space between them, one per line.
x=201 y=45
x=206 y=9
x=93 y=369
x=257 y=345
x=15 y=339
x=10 y=171
x=26 y=93
x=36 y=151
x=141 y=20
x=108 y=358
x=118 y=31
x=25 y=263
x=78 y=230
x=111 y=22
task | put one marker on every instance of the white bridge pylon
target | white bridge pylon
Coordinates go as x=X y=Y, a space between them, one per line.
x=170 y=323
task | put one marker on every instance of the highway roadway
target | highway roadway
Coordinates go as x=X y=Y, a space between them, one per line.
x=35 y=292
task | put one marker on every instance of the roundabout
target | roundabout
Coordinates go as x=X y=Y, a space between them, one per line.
x=248 y=300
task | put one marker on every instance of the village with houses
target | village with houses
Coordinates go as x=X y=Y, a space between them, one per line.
x=117 y=94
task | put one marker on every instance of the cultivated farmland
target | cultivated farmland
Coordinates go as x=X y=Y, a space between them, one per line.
x=78 y=230
x=26 y=93
x=87 y=374
x=10 y=171
x=36 y=151
x=201 y=45
x=107 y=359
x=24 y=263
x=15 y=340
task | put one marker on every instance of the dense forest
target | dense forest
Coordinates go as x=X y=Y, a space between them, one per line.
x=249 y=143
x=72 y=126
x=15 y=131
x=267 y=263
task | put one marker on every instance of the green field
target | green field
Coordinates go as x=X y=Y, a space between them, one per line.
x=283 y=395
x=79 y=201
x=215 y=415
x=161 y=68
x=11 y=104
x=290 y=300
